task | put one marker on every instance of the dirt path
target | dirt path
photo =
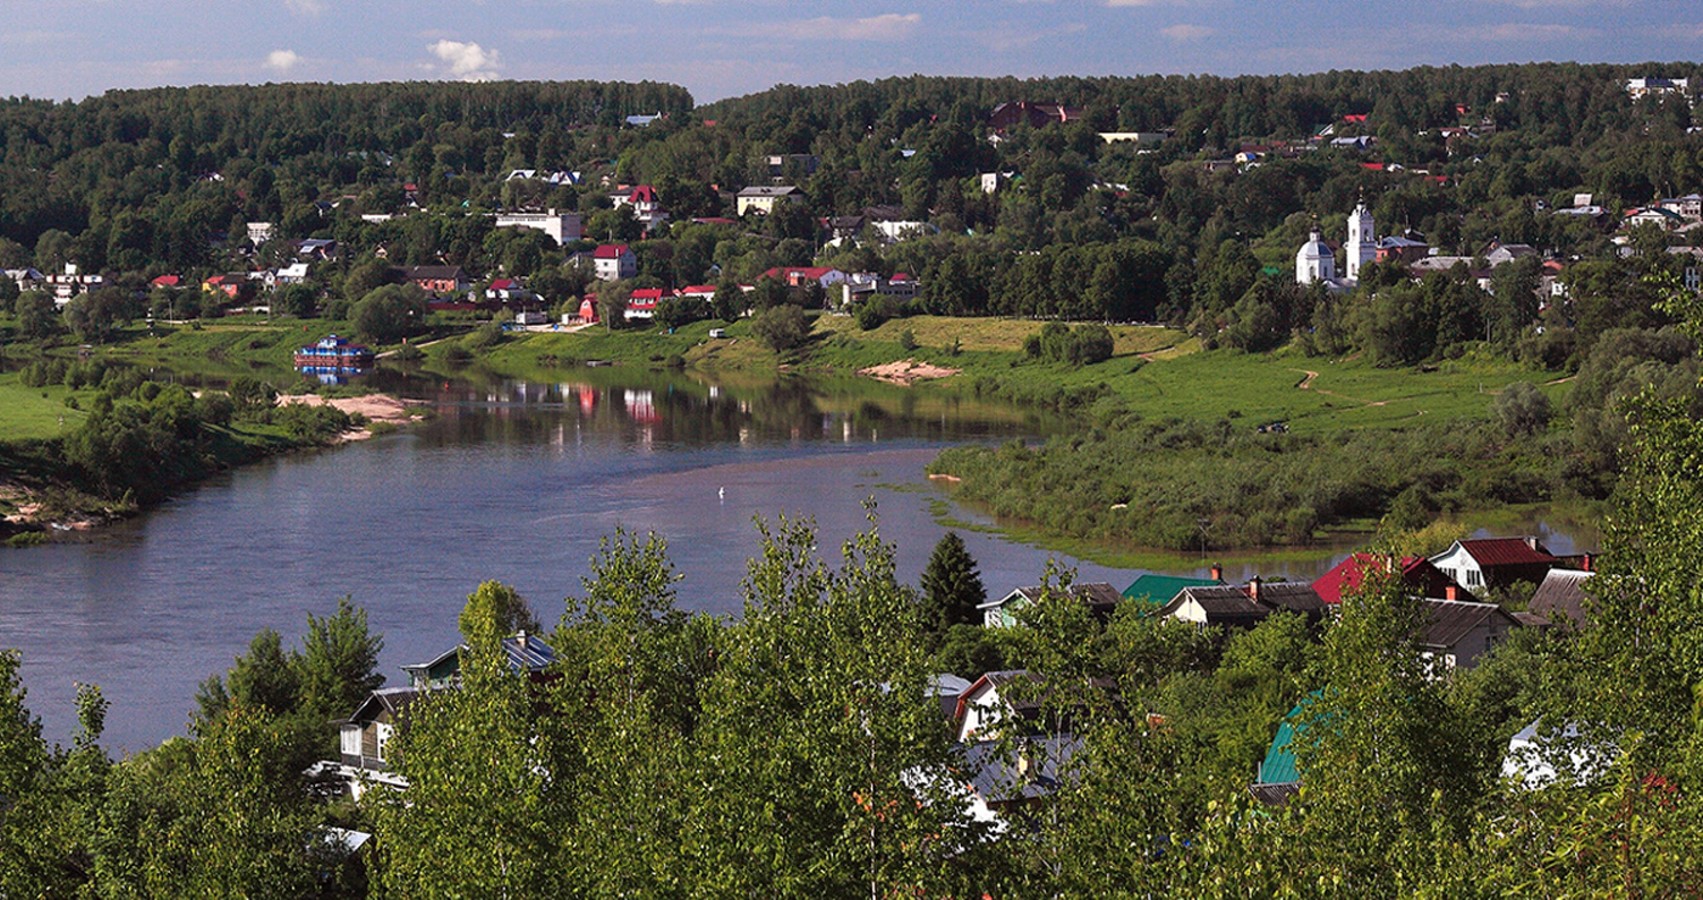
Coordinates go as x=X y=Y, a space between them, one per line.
x=1306 y=383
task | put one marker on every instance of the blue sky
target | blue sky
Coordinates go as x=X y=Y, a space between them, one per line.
x=720 y=48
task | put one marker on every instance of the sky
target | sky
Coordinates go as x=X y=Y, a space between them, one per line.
x=69 y=49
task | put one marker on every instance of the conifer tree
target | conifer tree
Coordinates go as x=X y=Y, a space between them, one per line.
x=951 y=585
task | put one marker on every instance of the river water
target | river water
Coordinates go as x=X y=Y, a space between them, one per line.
x=508 y=480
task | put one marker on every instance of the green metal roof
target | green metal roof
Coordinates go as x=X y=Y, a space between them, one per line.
x=1279 y=766
x=1159 y=589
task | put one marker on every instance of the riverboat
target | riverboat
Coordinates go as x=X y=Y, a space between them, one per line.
x=334 y=353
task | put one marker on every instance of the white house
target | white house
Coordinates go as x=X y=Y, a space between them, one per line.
x=762 y=200
x=613 y=262
x=564 y=227
x=1484 y=562
x=991 y=699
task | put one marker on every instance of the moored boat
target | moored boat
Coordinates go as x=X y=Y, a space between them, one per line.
x=334 y=352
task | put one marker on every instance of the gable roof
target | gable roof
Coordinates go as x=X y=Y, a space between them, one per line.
x=1247 y=604
x=644 y=193
x=1561 y=593
x=524 y=653
x=1159 y=589
x=1448 y=621
x=416 y=273
x=1508 y=551
x=1417 y=573
x=1100 y=596
x=785 y=190
x=394 y=700
x=611 y=251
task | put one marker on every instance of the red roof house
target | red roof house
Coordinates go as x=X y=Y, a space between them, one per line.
x=1488 y=562
x=1418 y=575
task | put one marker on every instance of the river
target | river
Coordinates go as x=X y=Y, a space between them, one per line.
x=508 y=480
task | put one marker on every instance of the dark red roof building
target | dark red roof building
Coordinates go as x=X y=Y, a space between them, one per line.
x=1417 y=574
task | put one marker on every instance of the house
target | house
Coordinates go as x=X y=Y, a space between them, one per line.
x=1538 y=756
x=439 y=280
x=762 y=200
x=1242 y=607
x=70 y=283
x=799 y=276
x=1493 y=562
x=170 y=282
x=613 y=262
x=1418 y=577
x=641 y=304
x=1139 y=138
x=1016 y=699
x=316 y=249
x=1156 y=590
x=29 y=278
x=1035 y=115
x=587 y=312
x=860 y=286
x=1689 y=206
x=1457 y=633
x=562 y=227
x=1639 y=88
x=508 y=290
x=1101 y=598
x=642 y=121
x=229 y=284
x=998 y=780
x=1666 y=219
x=365 y=737
x=260 y=232
x=294 y=273
x=525 y=654
x=647 y=209
x=1501 y=254
x=1397 y=248
x=1561 y=597
x=1278 y=777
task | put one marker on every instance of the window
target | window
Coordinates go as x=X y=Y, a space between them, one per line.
x=384 y=733
x=352 y=740
x=1474 y=578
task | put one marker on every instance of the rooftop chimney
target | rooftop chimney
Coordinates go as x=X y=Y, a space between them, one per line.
x=1451 y=593
x=1218 y=571
x=1531 y=541
x=1254 y=588
x=1586 y=563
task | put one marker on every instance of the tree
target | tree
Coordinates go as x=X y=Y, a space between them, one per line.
x=494 y=611
x=951 y=585
x=339 y=661
x=37 y=316
x=1522 y=409
x=729 y=301
x=781 y=328
x=389 y=313
x=299 y=300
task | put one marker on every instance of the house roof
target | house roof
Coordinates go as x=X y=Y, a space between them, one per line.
x=1099 y=595
x=1034 y=768
x=1237 y=605
x=1159 y=589
x=784 y=190
x=395 y=701
x=1562 y=593
x=644 y=193
x=611 y=251
x=1508 y=551
x=167 y=281
x=996 y=679
x=504 y=284
x=524 y=652
x=1417 y=573
x=1448 y=621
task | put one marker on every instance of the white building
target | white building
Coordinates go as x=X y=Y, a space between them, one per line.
x=1315 y=261
x=1362 y=246
x=565 y=227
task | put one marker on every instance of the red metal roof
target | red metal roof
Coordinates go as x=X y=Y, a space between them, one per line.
x=167 y=281
x=651 y=294
x=1417 y=573
x=1510 y=551
x=611 y=251
x=644 y=193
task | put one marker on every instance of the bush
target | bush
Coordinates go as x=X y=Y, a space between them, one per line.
x=1522 y=409
x=907 y=340
x=457 y=355
x=781 y=328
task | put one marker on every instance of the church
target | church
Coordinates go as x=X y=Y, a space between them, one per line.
x=1316 y=261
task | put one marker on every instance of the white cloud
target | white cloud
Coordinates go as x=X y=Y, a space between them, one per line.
x=282 y=60
x=1008 y=37
x=1185 y=32
x=885 y=27
x=1518 y=31
x=466 y=60
x=305 y=7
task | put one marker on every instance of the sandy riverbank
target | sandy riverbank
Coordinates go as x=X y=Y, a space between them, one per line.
x=907 y=372
x=374 y=407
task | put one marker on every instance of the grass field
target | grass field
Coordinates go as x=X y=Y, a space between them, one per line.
x=28 y=413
